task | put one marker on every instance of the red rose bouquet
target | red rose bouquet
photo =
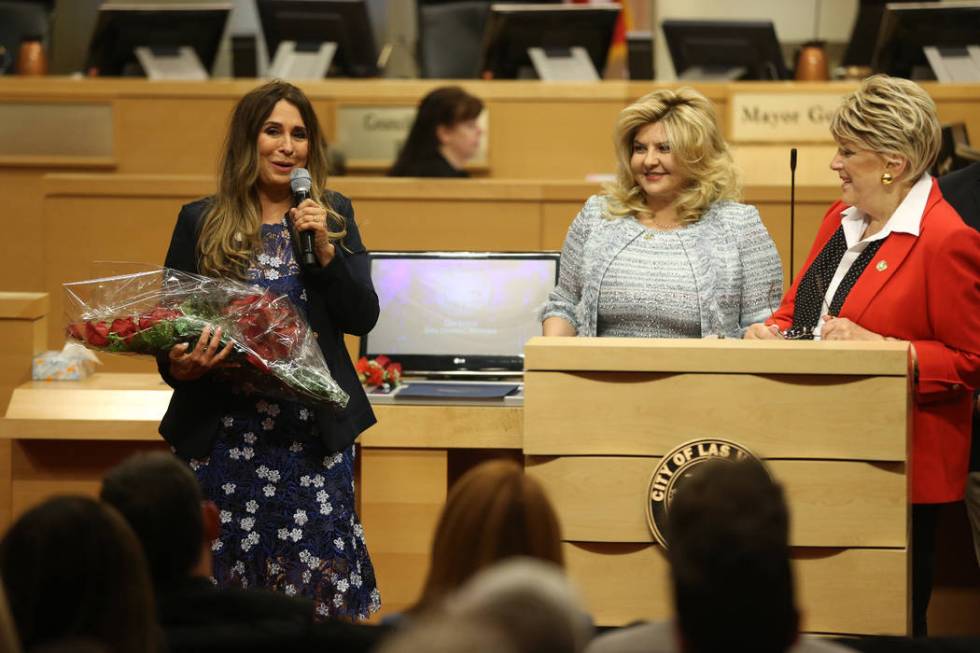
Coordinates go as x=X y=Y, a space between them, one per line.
x=379 y=372
x=274 y=351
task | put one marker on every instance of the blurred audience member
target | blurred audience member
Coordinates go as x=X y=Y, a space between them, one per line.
x=441 y=633
x=529 y=600
x=160 y=498
x=493 y=512
x=73 y=569
x=444 y=136
x=730 y=571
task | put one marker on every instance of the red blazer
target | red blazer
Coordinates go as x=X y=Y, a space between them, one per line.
x=929 y=294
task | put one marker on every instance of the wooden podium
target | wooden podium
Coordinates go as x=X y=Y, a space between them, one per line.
x=830 y=419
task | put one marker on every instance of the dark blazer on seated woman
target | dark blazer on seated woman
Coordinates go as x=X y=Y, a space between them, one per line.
x=906 y=292
x=341 y=299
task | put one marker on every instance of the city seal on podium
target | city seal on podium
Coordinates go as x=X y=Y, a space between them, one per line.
x=676 y=468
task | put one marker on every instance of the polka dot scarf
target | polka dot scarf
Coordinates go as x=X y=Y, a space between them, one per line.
x=813 y=286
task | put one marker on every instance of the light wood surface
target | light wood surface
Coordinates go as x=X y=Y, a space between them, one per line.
x=839 y=591
x=23 y=305
x=23 y=334
x=776 y=416
x=446 y=427
x=605 y=411
x=402 y=494
x=720 y=356
x=833 y=503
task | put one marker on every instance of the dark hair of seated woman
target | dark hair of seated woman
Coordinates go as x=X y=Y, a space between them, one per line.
x=444 y=136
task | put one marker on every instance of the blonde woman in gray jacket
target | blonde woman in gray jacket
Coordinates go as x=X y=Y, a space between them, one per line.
x=666 y=251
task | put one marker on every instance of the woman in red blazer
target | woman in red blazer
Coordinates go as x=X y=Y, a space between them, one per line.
x=893 y=261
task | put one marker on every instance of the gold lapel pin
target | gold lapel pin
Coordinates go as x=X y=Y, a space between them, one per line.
x=882 y=266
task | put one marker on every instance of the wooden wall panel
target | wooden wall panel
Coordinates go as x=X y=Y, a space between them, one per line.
x=574 y=414
x=833 y=503
x=402 y=493
x=181 y=135
x=434 y=224
x=838 y=591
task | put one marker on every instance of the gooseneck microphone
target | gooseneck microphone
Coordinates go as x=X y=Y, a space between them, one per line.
x=300 y=183
x=792 y=208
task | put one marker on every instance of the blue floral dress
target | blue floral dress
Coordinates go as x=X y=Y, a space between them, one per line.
x=287 y=505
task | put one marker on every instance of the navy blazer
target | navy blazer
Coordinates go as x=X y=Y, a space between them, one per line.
x=341 y=299
x=962 y=190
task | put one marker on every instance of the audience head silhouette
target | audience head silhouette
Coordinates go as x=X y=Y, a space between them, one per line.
x=729 y=561
x=529 y=600
x=160 y=498
x=494 y=511
x=73 y=569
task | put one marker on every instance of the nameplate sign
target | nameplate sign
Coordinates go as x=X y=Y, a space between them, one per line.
x=782 y=117
x=372 y=136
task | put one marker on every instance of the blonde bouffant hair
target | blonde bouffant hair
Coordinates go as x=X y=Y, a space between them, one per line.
x=701 y=155
x=890 y=115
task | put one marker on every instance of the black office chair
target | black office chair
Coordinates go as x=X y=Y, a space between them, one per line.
x=19 y=19
x=450 y=36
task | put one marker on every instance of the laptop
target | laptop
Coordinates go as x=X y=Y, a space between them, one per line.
x=457 y=322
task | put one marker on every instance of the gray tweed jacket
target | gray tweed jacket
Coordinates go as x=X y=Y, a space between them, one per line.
x=737 y=269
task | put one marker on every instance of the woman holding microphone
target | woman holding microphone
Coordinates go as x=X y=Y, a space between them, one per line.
x=280 y=472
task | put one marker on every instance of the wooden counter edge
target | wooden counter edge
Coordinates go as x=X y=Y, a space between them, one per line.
x=712 y=355
x=23 y=305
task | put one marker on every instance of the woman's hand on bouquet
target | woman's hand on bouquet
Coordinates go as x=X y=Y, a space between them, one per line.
x=310 y=216
x=760 y=331
x=190 y=364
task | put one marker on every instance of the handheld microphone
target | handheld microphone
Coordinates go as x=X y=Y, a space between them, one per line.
x=792 y=209
x=300 y=183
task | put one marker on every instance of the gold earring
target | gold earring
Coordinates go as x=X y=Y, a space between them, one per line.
x=887 y=179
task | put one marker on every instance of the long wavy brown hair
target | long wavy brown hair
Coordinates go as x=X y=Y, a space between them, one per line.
x=230 y=235
x=494 y=511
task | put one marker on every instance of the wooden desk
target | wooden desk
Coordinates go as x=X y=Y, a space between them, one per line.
x=61 y=438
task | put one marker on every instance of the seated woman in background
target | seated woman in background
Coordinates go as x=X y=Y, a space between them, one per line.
x=73 y=570
x=444 y=136
x=666 y=251
x=893 y=261
x=493 y=512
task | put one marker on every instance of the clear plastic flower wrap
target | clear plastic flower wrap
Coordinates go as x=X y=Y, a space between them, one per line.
x=274 y=350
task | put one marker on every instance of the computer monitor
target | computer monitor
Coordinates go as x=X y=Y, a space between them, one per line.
x=907 y=28
x=724 y=49
x=512 y=29
x=121 y=29
x=312 y=22
x=459 y=313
